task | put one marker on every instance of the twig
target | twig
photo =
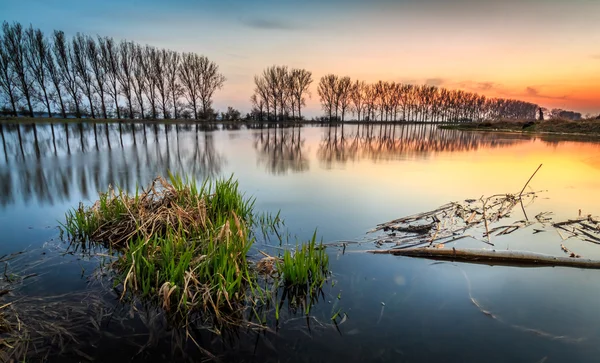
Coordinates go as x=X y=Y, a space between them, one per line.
x=526 y=184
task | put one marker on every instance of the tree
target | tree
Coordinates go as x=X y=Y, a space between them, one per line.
x=140 y=83
x=161 y=81
x=82 y=69
x=96 y=59
x=189 y=74
x=110 y=65
x=14 y=45
x=210 y=81
x=258 y=105
x=171 y=61
x=63 y=55
x=327 y=94
x=147 y=61
x=8 y=81
x=343 y=93
x=55 y=77
x=357 y=96
x=231 y=114
x=125 y=72
x=301 y=79
x=35 y=57
x=261 y=97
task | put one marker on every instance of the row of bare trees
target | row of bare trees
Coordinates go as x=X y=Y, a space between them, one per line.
x=280 y=93
x=99 y=77
x=391 y=101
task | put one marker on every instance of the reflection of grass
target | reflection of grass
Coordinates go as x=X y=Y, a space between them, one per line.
x=185 y=247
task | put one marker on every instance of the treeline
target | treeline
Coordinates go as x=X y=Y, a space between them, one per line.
x=280 y=93
x=391 y=101
x=100 y=77
x=559 y=113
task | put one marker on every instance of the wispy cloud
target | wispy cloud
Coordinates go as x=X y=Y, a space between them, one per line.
x=535 y=92
x=479 y=86
x=268 y=24
x=595 y=56
x=434 y=81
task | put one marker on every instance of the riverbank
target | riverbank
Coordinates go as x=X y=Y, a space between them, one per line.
x=558 y=127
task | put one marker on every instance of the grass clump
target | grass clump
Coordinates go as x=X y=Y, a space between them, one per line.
x=305 y=268
x=186 y=246
x=301 y=274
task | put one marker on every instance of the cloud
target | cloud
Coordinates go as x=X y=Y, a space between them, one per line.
x=268 y=24
x=530 y=91
x=434 y=81
x=479 y=86
x=595 y=56
x=534 y=92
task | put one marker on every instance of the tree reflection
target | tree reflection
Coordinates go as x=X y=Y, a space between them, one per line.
x=340 y=145
x=46 y=164
x=280 y=149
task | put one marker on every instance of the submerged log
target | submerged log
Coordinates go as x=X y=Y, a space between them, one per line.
x=493 y=257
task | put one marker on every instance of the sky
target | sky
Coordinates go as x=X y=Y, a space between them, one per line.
x=542 y=51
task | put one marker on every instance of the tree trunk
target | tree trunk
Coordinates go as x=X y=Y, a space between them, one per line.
x=29 y=105
x=62 y=105
x=103 y=105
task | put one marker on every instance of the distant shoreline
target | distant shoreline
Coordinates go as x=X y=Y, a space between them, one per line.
x=589 y=128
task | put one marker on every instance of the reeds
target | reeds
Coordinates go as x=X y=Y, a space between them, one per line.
x=305 y=268
x=185 y=246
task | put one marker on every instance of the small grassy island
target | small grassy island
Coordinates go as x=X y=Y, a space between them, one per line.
x=186 y=246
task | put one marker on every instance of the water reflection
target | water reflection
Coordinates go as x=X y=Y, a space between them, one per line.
x=389 y=142
x=281 y=149
x=58 y=163
x=47 y=164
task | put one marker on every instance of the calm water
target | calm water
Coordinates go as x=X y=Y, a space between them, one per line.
x=341 y=181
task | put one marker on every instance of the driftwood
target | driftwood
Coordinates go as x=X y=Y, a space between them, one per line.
x=493 y=257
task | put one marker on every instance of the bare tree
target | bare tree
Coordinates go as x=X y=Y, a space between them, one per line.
x=96 y=59
x=211 y=81
x=80 y=62
x=370 y=101
x=110 y=64
x=140 y=82
x=261 y=97
x=14 y=44
x=36 y=50
x=125 y=73
x=343 y=93
x=63 y=54
x=56 y=79
x=189 y=74
x=8 y=80
x=147 y=60
x=258 y=105
x=160 y=80
x=327 y=94
x=357 y=95
x=171 y=66
x=301 y=81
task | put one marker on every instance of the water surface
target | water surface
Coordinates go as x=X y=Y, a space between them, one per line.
x=341 y=181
